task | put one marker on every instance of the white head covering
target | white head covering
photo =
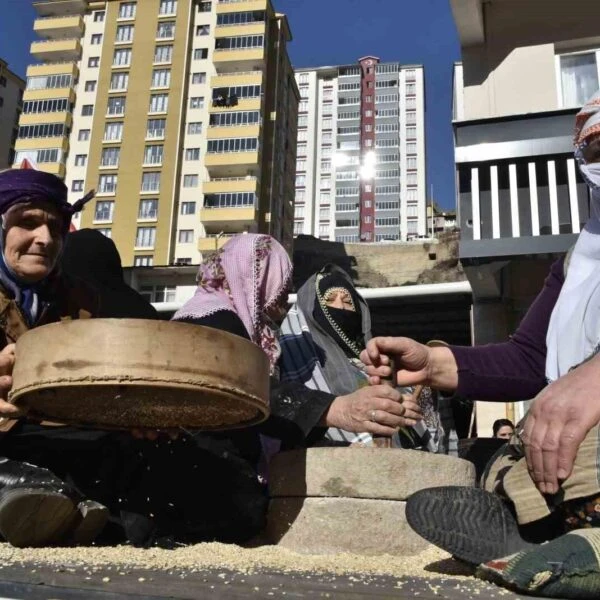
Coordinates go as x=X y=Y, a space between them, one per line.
x=574 y=330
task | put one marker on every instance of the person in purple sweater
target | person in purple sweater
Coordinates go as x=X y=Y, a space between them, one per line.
x=547 y=480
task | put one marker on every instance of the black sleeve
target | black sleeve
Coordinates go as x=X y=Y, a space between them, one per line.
x=295 y=413
x=225 y=320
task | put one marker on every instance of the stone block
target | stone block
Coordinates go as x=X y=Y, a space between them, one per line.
x=335 y=525
x=375 y=473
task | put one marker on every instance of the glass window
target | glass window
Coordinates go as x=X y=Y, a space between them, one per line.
x=83 y=135
x=124 y=33
x=87 y=110
x=579 y=78
x=155 y=128
x=99 y=16
x=185 y=236
x=119 y=81
x=90 y=86
x=202 y=29
x=153 y=155
x=145 y=237
x=77 y=185
x=161 y=77
x=105 y=231
x=188 y=208
x=192 y=154
x=159 y=103
x=127 y=10
x=167 y=7
x=197 y=102
x=122 y=57
x=113 y=131
x=107 y=184
x=163 y=54
x=80 y=160
x=110 y=157
x=104 y=210
x=148 y=209
x=96 y=39
x=190 y=181
x=151 y=181
x=116 y=105
x=200 y=53
x=194 y=128
x=204 y=7
x=165 y=29
x=143 y=261
x=198 y=77
x=93 y=61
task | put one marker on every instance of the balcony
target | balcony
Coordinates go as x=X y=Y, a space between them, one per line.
x=59 y=27
x=48 y=8
x=228 y=220
x=54 y=50
x=231 y=164
x=49 y=94
x=257 y=28
x=230 y=79
x=66 y=118
x=57 y=168
x=42 y=143
x=54 y=68
x=239 y=59
x=242 y=131
x=230 y=184
x=214 y=241
x=229 y=6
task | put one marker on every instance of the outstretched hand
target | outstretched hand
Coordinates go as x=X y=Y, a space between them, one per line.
x=560 y=417
x=7 y=362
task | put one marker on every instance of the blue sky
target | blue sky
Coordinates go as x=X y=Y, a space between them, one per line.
x=329 y=32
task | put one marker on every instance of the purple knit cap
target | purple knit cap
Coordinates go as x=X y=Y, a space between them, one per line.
x=29 y=185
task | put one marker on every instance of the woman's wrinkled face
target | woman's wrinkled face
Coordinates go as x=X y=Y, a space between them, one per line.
x=339 y=298
x=32 y=240
x=505 y=432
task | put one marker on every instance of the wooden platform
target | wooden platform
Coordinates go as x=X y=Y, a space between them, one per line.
x=36 y=582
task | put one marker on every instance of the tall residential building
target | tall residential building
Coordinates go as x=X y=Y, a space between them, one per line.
x=178 y=112
x=11 y=102
x=521 y=199
x=360 y=173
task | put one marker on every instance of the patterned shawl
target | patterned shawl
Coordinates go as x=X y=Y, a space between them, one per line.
x=249 y=275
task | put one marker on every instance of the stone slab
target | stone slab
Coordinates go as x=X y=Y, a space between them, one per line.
x=375 y=473
x=334 y=525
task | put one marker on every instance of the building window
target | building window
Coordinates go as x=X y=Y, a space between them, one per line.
x=90 y=86
x=197 y=102
x=159 y=103
x=77 y=185
x=110 y=157
x=298 y=227
x=113 y=131
x=116 y=105
x=240 y=18
x=299 y=211
x=158 y=293
x=190 y=181
x=198 y=77
x=107 y=184
x=96 y=39
x=239 y=42
x=119 y=81
x=80 y=160
x=301 y=165
x=167 y=7
x=205 y=7
x=185 y=236
x=165 y=30
x=161 y=77
x=579 y=78
x=104 y=210
x=124 y=33
x=83 y=135
x=99 y=16
x=148 y=209
x=202 y=29
x=163 y=54
x=122 y=57
x=87 y=110
x=93 y=61
x=194 y=128
x=151 y=181
x=156 y=128
x=105 y=231
x=200 y=53
x=188 y=208
x=143 y=261
x=45 y=82
x=153 y=155
x=127 y=10
x=145 y=237
x=192 y=154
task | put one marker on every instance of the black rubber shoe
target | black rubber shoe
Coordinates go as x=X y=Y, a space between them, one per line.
x=92 y=519
x=470 y=523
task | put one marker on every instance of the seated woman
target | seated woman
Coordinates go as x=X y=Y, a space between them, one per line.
x=243 y=289
x=322 y=338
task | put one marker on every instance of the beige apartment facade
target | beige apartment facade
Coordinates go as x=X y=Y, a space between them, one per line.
x=526 y=70
x=178 y=113
x=11 y=103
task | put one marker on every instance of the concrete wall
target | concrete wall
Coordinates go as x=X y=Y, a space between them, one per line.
x=513 y=71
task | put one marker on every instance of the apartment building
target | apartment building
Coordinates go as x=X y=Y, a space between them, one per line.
x=180 y=113
x=360 y=173
x=11 y=101
x=521 y=202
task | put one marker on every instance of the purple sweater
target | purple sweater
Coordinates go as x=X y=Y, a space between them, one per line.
x=513 y=370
